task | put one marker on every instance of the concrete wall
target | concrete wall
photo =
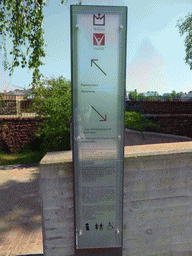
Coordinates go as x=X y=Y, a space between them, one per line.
x=157 y=216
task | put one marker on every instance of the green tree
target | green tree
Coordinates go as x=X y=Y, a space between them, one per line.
x=186 y=27
x=166 y=96
x=1 y=97
x=179 y=94
x=2 y=102
x=53 y=101
x=22 y=21
x=173 y=95
x=133 y=95
x=141 y=96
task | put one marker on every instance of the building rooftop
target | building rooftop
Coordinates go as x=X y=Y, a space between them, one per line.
x=17 y=92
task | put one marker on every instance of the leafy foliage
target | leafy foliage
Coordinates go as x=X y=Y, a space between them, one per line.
x=54 y=103
x=1 y=99
x=133 y=95
x=136 y=121
x=186 y=27
x=22 y=20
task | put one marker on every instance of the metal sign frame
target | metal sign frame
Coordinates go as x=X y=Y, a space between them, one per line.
x=98 y=73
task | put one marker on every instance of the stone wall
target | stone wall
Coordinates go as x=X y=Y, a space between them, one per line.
x=156 y=204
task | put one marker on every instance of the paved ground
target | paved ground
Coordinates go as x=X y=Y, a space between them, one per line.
x=20 y=207
x=133 y=138
x=20 y=212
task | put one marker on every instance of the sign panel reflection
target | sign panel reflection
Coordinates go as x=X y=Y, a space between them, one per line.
x=98 y=115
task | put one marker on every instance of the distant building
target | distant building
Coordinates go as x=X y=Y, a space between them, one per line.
x=166 y=94
x=13 y=100
x=151 y=93
x=186 y=96
x=16 y=95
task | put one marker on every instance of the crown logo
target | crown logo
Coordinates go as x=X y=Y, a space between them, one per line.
x=99 y=20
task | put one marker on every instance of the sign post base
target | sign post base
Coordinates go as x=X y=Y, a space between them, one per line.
x=99 y=252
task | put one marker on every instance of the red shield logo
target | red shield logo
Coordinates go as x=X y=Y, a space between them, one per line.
x=98 y=39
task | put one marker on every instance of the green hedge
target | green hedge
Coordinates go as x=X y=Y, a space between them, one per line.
x=138 y=122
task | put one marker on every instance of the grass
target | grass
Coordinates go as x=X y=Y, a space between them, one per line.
x=20 y=158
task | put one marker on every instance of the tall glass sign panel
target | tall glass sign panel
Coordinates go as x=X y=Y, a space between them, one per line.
x=98 y=60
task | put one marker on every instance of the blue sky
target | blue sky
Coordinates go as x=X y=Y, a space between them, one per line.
x=155 y=49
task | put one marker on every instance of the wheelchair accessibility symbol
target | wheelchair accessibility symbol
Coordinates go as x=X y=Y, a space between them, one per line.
x=110 y=226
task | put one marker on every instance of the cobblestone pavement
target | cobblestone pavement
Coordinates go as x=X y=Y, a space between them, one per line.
x=20 y=207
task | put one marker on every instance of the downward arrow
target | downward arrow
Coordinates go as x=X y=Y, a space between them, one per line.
x=104 y=118
x=93 y=61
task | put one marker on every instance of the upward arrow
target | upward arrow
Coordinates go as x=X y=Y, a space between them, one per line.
x=93 y=61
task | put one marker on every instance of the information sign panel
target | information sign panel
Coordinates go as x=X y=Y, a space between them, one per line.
x=98 y=57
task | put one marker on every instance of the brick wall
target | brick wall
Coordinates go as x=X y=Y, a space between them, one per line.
x=180 y=124
x=15 y=133
x=167 y=107
x=160 y=107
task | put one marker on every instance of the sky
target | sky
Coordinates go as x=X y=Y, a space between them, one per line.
x=155 y=49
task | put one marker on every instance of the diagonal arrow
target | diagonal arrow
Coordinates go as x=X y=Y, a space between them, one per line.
x=104 y=118
x=93 y=61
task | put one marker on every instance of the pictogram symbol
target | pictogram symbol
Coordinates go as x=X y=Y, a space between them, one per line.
x=98 y=20
x=110 y=226
x=98 y=39
x=87 y=226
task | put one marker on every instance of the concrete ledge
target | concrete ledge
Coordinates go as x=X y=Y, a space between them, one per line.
x=158 y=149
x=57 y=157
x=129 y=151
x=157 y=201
